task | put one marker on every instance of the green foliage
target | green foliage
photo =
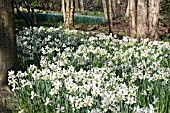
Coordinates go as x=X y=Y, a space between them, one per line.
x=165 y=38
x=165 y=12
x=31 y=3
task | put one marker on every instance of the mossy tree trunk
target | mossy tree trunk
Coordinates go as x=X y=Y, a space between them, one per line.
x=8 y=47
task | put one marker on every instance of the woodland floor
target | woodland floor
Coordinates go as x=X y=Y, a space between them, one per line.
x=120 y=27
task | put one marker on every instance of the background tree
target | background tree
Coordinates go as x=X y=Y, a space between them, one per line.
x=127 y=9
x=143 y=15
x=30 y=6
x=108 y=13
x=153 y=15
x=8 y=47
x=81 y=5
x=132 y=17
x=114 y=4
x=76 y=4
x=110 y=16
x=68 y=7
x=105 y=10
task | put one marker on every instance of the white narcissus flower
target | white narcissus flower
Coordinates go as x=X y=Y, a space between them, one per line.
x=33 y=94
x=151 y=109
x=130 y=100
x=122 y=93
x=97 y=110
x=47 y=101
x=88 y=101
x=11 y=73
x=32 y=68
x=59 y=109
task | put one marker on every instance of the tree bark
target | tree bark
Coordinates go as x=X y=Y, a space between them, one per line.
x=67 y=13
x=110 y=16
x=118 y=1
x=71 y=19
x=153 y=11
x=105 y=10
x=81 y=5
x=63 y=10
x=68 y=7
x=144 y=23
x=114 y=7
x=76 y=4
x=8 y=46
x=132 y=17
x=127 y=10
x=142 y=15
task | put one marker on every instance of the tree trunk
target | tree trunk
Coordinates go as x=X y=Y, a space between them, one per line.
x=144 y=23
x=142 y=15
x=127 y=10
x=63 y=10
x=114 y=4
x=68 y=13
x=110 y=16
x=132 y=17
x=105 y=10
x=76 y=4
x=153 y=11
x=71 y=19
x=118 y=1
x=8 y=47
x=81 y=5
x=147 y=18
